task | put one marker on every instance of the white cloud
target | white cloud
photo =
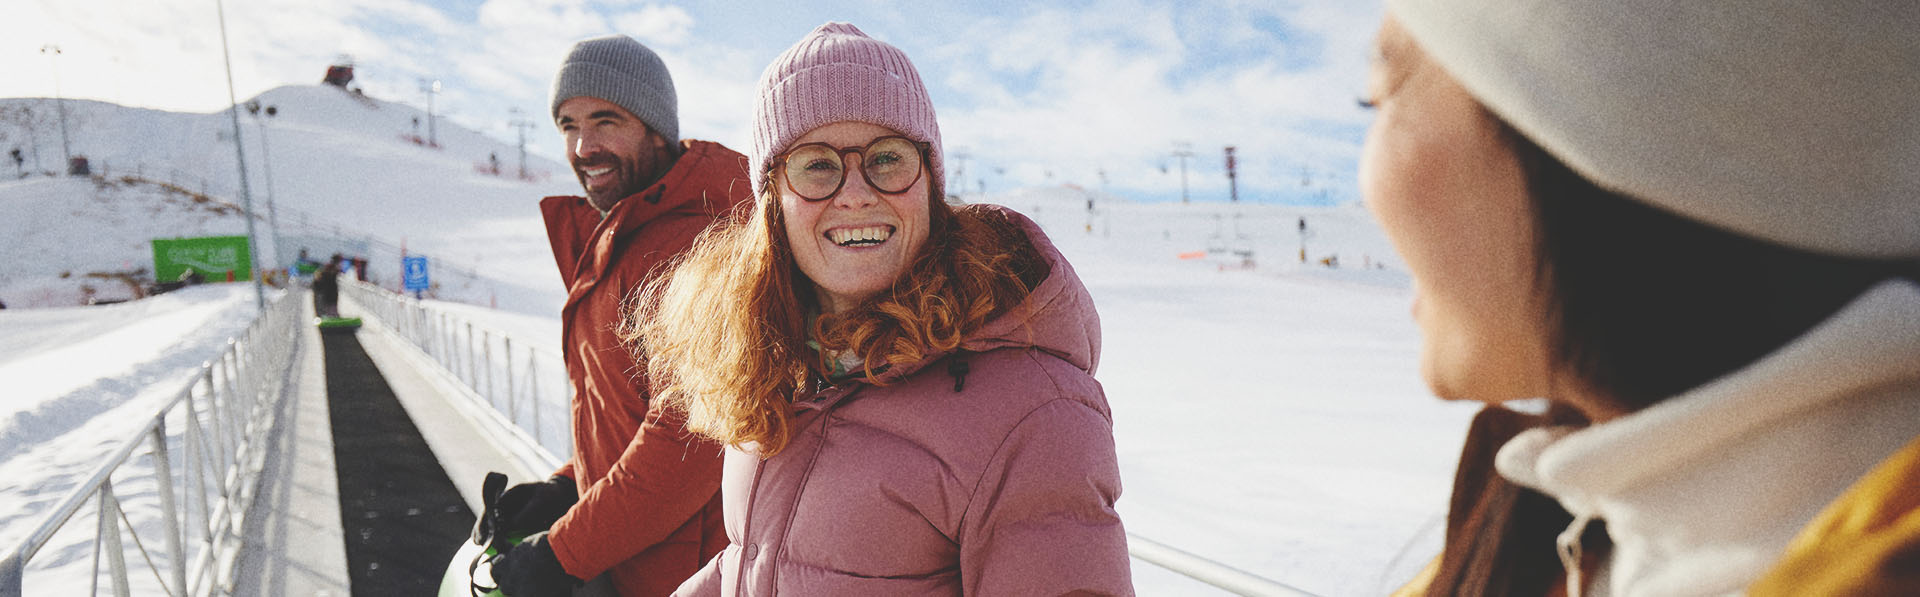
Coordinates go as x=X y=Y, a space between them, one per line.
x=657 y=25
x=1109 y=86
x=1114 y=86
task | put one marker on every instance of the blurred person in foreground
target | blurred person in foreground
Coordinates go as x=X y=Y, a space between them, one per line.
x=639 y=500
x=1693 y=229
x=905 y=388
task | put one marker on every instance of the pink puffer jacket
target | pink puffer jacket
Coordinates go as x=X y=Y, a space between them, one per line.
x=988 y=471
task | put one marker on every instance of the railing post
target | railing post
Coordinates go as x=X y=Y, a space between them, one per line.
x=234 y=430
x=446 y=343
x=110 y=535
x=513 y=409
x=472 y=370
x=196 y=461
x=10 y=575
x=218 y=459
x=169 y=507
x=533 y=395
x=486 y=351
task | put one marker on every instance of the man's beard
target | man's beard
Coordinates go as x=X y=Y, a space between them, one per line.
x=626 y=180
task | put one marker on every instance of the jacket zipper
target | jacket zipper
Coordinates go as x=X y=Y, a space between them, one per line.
x=1570 y=553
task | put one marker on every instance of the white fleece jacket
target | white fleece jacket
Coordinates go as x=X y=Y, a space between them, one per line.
x=1702 y=492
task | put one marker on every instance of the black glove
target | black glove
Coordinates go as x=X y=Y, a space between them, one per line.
x=529 y=508
x=531 y=570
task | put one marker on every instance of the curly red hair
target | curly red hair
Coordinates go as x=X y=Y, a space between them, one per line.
x=724 y=335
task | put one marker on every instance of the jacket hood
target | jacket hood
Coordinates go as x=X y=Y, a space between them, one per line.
x=1057 y=316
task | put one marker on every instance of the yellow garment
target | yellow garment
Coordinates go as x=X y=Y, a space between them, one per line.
x=1865 y=543
x=1418 y=586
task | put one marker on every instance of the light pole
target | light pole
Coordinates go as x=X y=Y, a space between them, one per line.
x=431 y=89
x=1233 y=184
x=1183 y=150
x=960 y=173
x=266 y=157
x=53 y=55
x=521 y=124
x=240 y=155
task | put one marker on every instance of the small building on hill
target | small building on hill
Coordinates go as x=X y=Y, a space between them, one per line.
x=339 y=74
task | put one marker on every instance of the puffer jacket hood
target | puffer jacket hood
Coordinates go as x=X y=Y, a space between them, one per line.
x=1057 y=317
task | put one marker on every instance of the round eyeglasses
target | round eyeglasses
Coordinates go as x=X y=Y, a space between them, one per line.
x=816 y=171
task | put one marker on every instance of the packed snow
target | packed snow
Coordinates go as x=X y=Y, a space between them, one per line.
x=80 y=381
x=1267 y=407
x=345 y=168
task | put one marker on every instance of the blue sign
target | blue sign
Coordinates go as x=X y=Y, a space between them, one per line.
x=416 y=276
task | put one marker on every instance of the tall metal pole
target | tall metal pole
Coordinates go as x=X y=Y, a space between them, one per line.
x=266 y=155
x=960 y=173
x=240 y=154
x=521 y=124
x=1183 y=151
x=433 y=88
x=1233 y=184
x=53 y=54
x=266 y=158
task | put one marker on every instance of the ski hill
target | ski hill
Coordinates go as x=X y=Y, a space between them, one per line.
x=348 y=173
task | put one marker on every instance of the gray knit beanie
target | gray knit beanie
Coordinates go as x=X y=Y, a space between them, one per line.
x=620 y=70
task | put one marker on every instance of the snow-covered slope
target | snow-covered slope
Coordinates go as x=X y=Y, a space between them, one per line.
x=343 y=166
x=78 y=379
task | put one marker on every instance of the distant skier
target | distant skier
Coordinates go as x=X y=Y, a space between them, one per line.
x=326 y=288
x=305 y=266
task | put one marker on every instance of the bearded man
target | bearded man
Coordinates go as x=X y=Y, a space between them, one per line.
x=639 y=501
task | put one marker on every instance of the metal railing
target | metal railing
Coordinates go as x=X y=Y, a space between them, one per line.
x=216 y=429
x=523 y=387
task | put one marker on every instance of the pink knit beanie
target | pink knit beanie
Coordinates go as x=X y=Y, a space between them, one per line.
x=837 y=73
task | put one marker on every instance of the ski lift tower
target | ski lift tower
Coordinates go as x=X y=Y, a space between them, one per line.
x=1233 y=186
x=53 y=58
x=431 y=88
x=521 y=124
x=1183 y=150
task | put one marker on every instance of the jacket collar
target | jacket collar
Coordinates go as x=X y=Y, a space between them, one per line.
x=1703 y=491
x=689 y=181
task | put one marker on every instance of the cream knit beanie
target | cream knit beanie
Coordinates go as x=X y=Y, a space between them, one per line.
x=1792 y=121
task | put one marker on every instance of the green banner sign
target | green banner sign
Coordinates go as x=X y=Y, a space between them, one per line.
x=213 y=257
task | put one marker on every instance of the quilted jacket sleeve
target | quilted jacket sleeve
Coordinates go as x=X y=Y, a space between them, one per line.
x=665 y=476
x=1041 y=521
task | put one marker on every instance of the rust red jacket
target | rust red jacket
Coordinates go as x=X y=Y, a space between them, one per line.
x=649 y=509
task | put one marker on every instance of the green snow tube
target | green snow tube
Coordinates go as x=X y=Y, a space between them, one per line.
x=338 y=324
x=470 y=574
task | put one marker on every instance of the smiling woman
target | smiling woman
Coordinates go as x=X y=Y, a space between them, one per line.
x=1702 y=255
x=905 y=388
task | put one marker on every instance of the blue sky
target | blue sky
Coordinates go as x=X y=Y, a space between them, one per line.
x=1035 y=93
